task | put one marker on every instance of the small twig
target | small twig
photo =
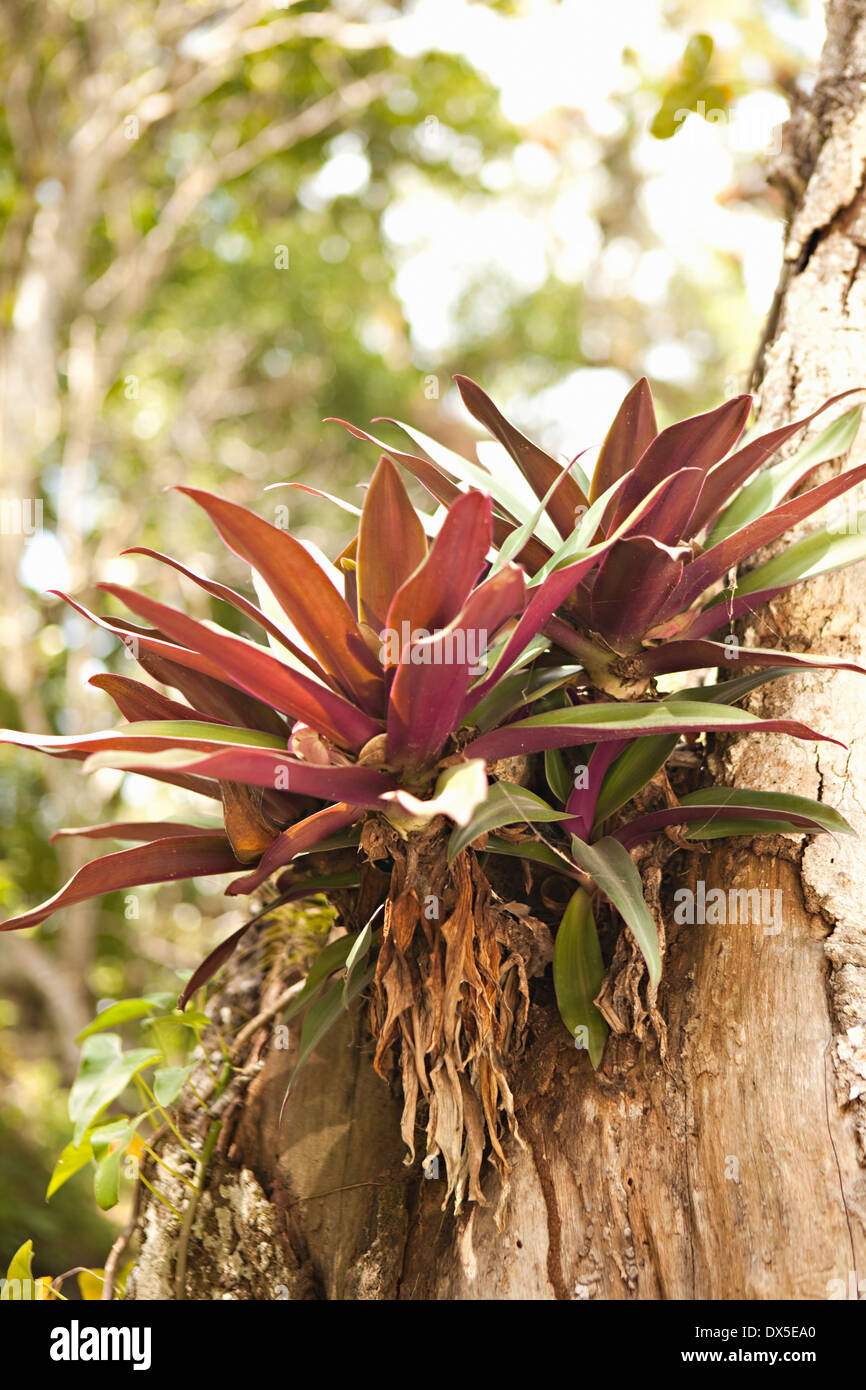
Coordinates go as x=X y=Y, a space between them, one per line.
x=251 y=1028
x=120 y=1247
x=351 y=1186
x=76 y=1269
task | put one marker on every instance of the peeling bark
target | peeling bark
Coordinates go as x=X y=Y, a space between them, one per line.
x=737 y=1169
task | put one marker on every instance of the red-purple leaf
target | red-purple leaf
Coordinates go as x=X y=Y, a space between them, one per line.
x=131 y=830
x=298 y=839
x=434 y=595
x=437 y=483
x=137 y=701
x=698 y=442
x=258 y=671
x=691 y=655
x=243 y=605
x=391 y=544
x=544 y=600
x=599 y=723
x=199 y=679
x=643 y=827
x=667 y=519
x=538 y=468
x=216 y=698
x=163 y=861
x=561 y=586
x=633 y=430
x=714 y=563
x=582 y=801
x=635 y=578
x=320 y=614
x=534 y=553
x=137 y=639
x=725 y=478
x=265 y=767
x=430 y=685
x=211 y=964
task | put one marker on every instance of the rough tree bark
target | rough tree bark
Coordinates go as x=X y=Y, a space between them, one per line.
x=739 y=1170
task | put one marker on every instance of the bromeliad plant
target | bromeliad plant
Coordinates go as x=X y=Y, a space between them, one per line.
x=374 y=748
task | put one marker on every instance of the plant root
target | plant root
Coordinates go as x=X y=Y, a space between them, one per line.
x=450 y=1002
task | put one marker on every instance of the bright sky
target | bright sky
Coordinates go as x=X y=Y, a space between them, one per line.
x=570 y=54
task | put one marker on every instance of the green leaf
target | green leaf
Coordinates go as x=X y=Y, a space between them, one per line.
x=728 y=691
x=168 y=1082
x=587 y=526
x=322 y=1016
x=493 y=656
x=639 y=763
x=106 y=1179
x=620 y=719
x=611 y=868
x=110 y=1143
x=107 y=1132
x=558 y=777
x=820 y=552
x=824 y=815
x=161 y=999
x=531 y=849
x=720 y=828
x=578 y=971
x=172 y=1035
x=516 y=690
x=332 y=957
x=73 y=1158
x=766 y=491
x=664 y=125
x=579 y=545
x=105 y=1071
x=120 y=1012
x=192 y=1018
x=21 y=1270
x=359 y=952
x=696 y=59
x=634 y=767
x=506 y=804
x=515 y=495
x=192 y=728
x=514 y=543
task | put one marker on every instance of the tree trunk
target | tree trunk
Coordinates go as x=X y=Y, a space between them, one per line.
x=735 y=1168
